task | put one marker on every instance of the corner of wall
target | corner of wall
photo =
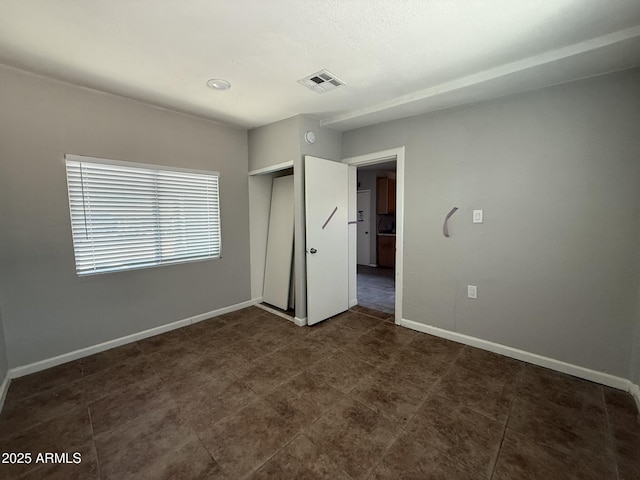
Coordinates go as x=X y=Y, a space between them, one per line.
x=4 y=365
x=4 y=388
x=328 y=142
x=634 y=364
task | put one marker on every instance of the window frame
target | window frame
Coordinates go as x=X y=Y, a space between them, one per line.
x=150 y=168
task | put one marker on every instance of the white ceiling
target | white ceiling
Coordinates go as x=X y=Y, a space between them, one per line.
x=397 y=57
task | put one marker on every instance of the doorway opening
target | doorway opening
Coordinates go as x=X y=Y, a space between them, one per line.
x=272 y=239
x=376 y=244
x=376 y=236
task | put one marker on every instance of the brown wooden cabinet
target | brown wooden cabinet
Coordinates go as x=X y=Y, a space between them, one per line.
x=386 y=251
x=386 y=196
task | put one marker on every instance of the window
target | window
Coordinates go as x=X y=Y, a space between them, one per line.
x=128 y=215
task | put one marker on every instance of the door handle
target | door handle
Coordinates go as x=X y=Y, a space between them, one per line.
x=313 y=250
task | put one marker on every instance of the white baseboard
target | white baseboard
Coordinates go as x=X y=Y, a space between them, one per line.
x=560 y=366
x=301 y=322
x=353 y=302
x=220 y=311
x=276 y=312
x=17 y=372
x=4 y=388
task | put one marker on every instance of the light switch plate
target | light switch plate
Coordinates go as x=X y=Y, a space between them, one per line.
x=477 y=216
x=472 y=291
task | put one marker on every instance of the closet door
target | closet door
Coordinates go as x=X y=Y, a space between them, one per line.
x=277 y=272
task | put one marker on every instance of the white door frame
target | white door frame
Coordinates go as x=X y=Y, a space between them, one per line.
x=369 y=159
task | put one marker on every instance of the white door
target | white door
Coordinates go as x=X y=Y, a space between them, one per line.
x=327 y=238
x=364 y=222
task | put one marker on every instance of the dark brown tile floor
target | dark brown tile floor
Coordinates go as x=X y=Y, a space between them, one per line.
x=249 y=395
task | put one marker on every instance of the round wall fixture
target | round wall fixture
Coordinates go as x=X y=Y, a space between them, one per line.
x=218 y=84
x=310 y=137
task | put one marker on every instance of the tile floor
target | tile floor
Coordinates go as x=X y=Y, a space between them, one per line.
x=376 y=288
x=249 y=395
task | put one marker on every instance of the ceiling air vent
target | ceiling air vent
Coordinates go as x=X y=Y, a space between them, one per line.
x=321 y=82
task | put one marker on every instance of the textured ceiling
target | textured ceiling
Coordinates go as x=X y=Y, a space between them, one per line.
x=397 y=57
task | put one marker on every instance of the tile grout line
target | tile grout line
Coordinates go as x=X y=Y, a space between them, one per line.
x=506 y=423
x=302 y=431
x=610 y=432
x=432 y=388
x=401 y=431
x=93 y=437
x=208 y=451
x=195 y=433
x=350 y=397
x=385 y=451
x=431 y=391
x=258 y=397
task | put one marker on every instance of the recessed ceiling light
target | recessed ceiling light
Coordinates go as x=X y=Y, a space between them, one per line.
x=218 y=84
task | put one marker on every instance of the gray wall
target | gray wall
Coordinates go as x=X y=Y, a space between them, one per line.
x=328 y=142
x=283 y=141
x=274 y=143
x=556 y=259
x=47 y=310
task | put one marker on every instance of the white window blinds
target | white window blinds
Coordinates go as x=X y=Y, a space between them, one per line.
x=126 y=215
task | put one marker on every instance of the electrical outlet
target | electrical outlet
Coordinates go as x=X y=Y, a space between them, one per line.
x=472 y=291
x=477 y=216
